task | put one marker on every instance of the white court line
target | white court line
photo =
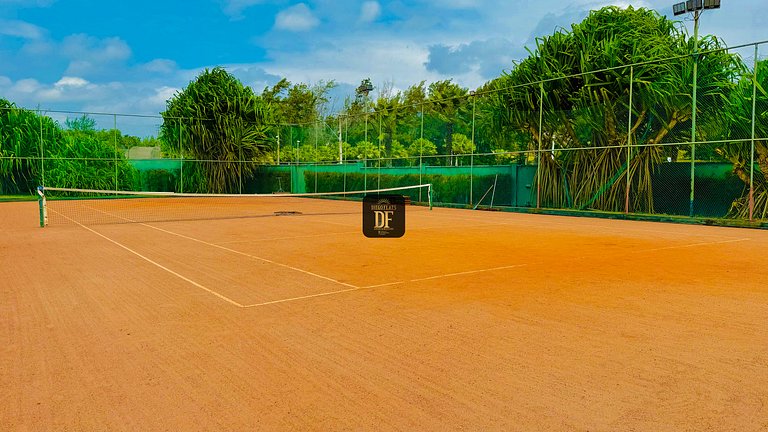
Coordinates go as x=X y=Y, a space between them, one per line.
x=250 y=256
x=351 y=287
x=384 y=285
x=155 y=263
x=694 y=245
x=226 y=249
x=447 y=275
x=468 y=272
x=304 y=297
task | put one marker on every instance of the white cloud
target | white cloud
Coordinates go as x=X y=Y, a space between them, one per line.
x=20 y=29
x=383 y=60
x=88 y=55
x=162 y=94
x=160 y=66
x=234 y=8
x=68 y=81
x=467 y=40
x=28 y=85
x=84 y=47
x=370 y=11
x=296 y=18
x=487 y=58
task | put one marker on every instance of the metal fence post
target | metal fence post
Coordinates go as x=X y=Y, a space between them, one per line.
x=240 y=163
x=752 y=149
x=472 y=151
x=421 y=151
x=181 y=156
x=341 y=151
x=114 y=136
x=541 y=125
x=694 y=109
x=365 y=155
x=629 y=139
x=42 y=149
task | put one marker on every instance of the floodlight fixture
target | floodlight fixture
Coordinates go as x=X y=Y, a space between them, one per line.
x=694 y=6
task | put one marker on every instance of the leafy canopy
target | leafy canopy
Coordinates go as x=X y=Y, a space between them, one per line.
x=219 y=121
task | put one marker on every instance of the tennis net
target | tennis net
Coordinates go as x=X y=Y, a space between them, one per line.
x=94 y=207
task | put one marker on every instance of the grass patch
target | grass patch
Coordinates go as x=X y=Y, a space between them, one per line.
x=14 y=198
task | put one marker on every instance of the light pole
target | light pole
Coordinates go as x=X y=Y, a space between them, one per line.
x=341 y=151
x=696 y=7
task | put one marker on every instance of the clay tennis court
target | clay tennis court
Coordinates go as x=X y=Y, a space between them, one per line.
x=472 y=321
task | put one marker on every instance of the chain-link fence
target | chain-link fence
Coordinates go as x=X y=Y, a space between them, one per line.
x=684 y=137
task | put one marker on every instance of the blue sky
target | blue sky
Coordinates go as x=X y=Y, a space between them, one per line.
x=131 y=56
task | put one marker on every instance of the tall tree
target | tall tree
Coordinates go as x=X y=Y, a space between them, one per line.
x=222 y=124
x=752 y=91
x=389 y=110
x=585 y=77
x=447 y=99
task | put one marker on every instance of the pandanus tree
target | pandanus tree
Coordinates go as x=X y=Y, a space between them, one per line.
x=582 y=79
x=220 y=123
x=751 y=96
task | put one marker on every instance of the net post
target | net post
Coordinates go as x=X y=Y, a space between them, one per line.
x=752 y=139
x=429 y=194
x=41 y=203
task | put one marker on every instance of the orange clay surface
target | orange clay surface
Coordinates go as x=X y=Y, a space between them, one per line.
x=472 y=321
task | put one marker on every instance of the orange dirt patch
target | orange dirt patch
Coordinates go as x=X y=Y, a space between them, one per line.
x=473 y=320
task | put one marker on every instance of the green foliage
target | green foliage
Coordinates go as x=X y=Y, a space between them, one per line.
x=447 y=100
x=158 y=180
x=81 y=158
x=589 y=105
x=20 y=145
x=219 y=122
x=752 y=90
x=462 y=144
x=398 y=151
x=366 y=150
x=81 y=124
x=422 y=147
x=298 y=103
